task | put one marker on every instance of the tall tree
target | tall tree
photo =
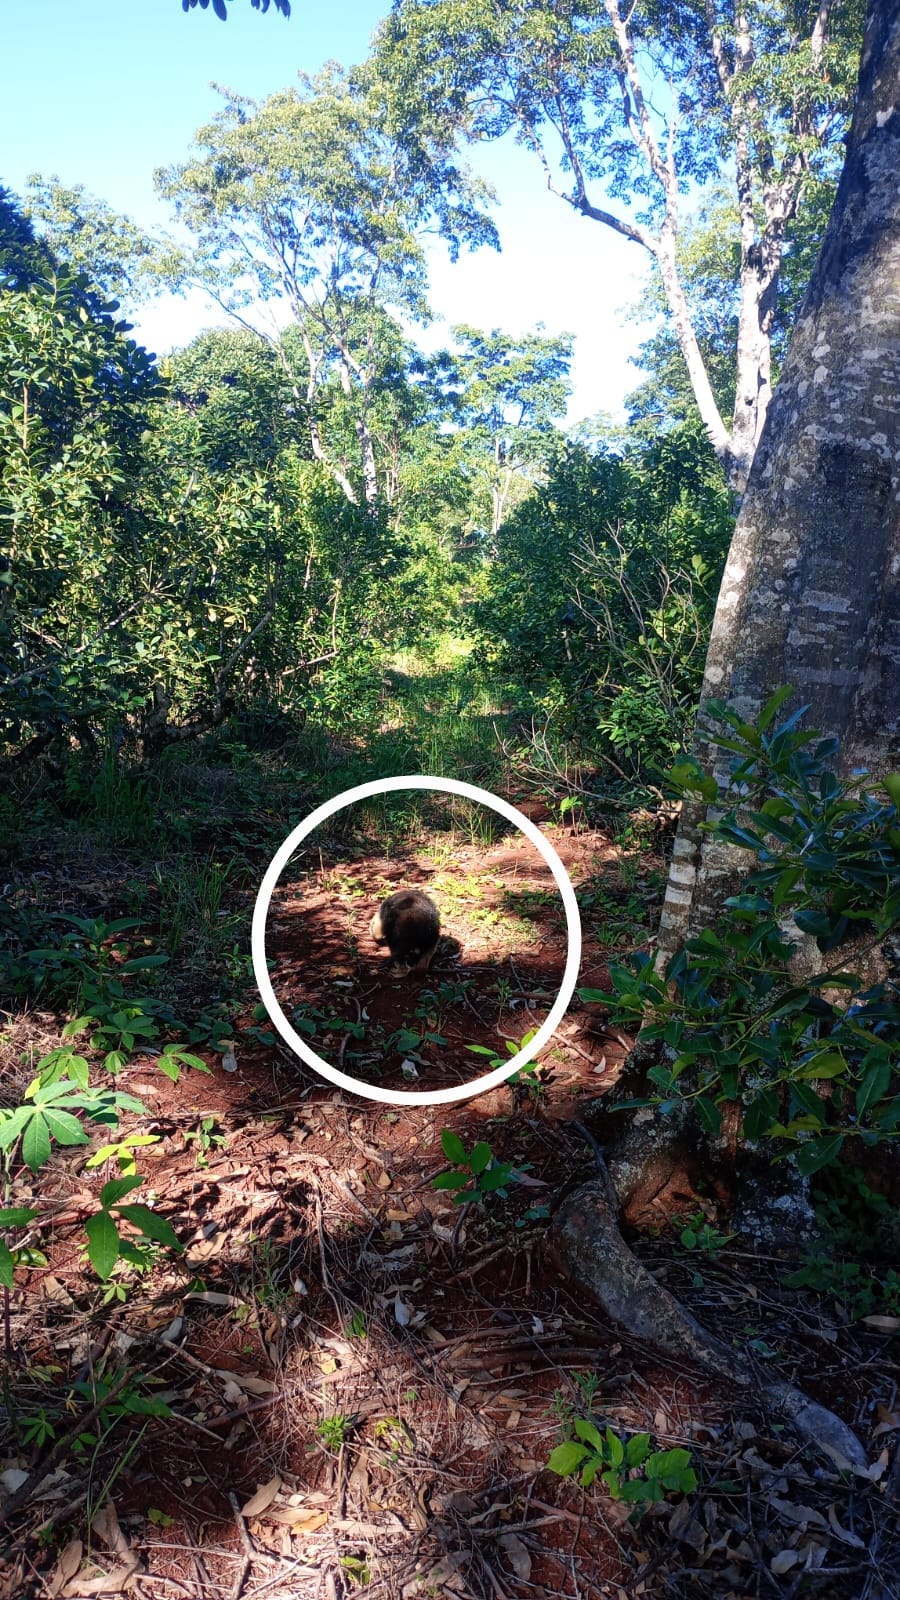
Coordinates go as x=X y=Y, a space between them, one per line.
x=504 y=394
x=307 y=203
x=629 y=106
x=90 y=237
x=811 y=591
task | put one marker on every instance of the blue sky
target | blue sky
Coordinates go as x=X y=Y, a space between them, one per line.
x=101 y=92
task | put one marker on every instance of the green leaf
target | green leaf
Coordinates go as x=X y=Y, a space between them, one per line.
x=589 y=1433
x=479 y=1158
x=450 y=1180
x=7 y=1266
x=495 y=1177
x=567 y=1458
x=64 y=1128
x=668 y=1461
x=876 y=1080
x=103 y=1243
x=116 y=1190
x=773 y=705
x=891 y=782
x=155 y=1227
x=615 y=1449
x=452 y=1145
x=637 y=1449
x=817 y=1153
x=16 y=1216
x=36 y=1143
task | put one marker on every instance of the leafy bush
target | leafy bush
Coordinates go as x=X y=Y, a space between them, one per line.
x=810 y=1059
x=600 y=595
x=631 y=1471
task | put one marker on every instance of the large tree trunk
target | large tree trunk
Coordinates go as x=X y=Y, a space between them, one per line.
x=811 y=591
x=811 y=597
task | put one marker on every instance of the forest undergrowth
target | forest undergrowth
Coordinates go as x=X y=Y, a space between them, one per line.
x=359 y=1361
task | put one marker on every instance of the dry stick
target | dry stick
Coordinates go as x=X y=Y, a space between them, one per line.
x=36 y=1478
x=320 y=1231
x=247 y=1562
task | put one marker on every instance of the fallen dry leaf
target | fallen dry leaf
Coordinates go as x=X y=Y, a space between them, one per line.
x=66 y=1567
x=517 y=1555
x=262 y=1498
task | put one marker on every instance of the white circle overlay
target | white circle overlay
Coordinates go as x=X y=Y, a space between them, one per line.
x=418 y=1097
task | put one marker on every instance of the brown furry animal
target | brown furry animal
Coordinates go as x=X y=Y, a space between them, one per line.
x=409 y=924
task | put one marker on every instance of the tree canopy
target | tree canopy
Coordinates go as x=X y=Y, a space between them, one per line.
x=628 y=111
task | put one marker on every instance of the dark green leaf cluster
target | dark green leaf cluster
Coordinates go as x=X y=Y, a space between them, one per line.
x=601 y=591
x=810 y=1059
x=221 y=11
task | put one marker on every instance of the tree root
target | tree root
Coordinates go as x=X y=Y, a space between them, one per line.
x=587 y=1245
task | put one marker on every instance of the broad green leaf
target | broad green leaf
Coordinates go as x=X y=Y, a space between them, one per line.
x=36 y=1143
x=64 y=1128
x=155 y=1227
x=589 y=1433
x=567 y=1457
x=452 y=1145
x=7 y=1266
x=818 y=1153
x=479 y=1158
x=16 y=1216
x=103 y=1243
x=876 y=1081
x=117 y=1189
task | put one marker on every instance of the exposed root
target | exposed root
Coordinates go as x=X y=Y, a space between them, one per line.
x=588 y=1246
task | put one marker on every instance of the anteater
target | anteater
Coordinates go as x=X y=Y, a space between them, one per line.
x=409 y=924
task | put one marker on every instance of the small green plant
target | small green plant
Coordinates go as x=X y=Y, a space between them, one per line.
x=122 y=1152
x=334 y=1430
x=356 y=1327
x=698 y=1234
x=357 y=1569
x=51 y=1102
x=860 y=1290
x=37 y=1428
x=12 y=1256
x=631 y=1471
x=477 y=1173
x=106 y=1245
x=205 y=1138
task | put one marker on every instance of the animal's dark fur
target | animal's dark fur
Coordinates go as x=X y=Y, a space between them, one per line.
x=409 y=924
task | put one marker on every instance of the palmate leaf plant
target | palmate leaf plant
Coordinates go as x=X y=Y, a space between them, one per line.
x=813 y=1059
x=52 y=1112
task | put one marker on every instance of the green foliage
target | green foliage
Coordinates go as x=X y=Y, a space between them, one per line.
x=172 y=554
x=477 y=1174
x=631 y=1471
x=106 y=1244
x=860 y=1291
x=220 y=8
x=88 y=236
x=698 y=1234
x=50 y=1110
x=811 y=1058
x=334 y=1431
x=306 y=197
x=12 y=1218
x=601 y=592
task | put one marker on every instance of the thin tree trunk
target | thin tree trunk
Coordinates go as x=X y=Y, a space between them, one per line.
x=811 y=591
